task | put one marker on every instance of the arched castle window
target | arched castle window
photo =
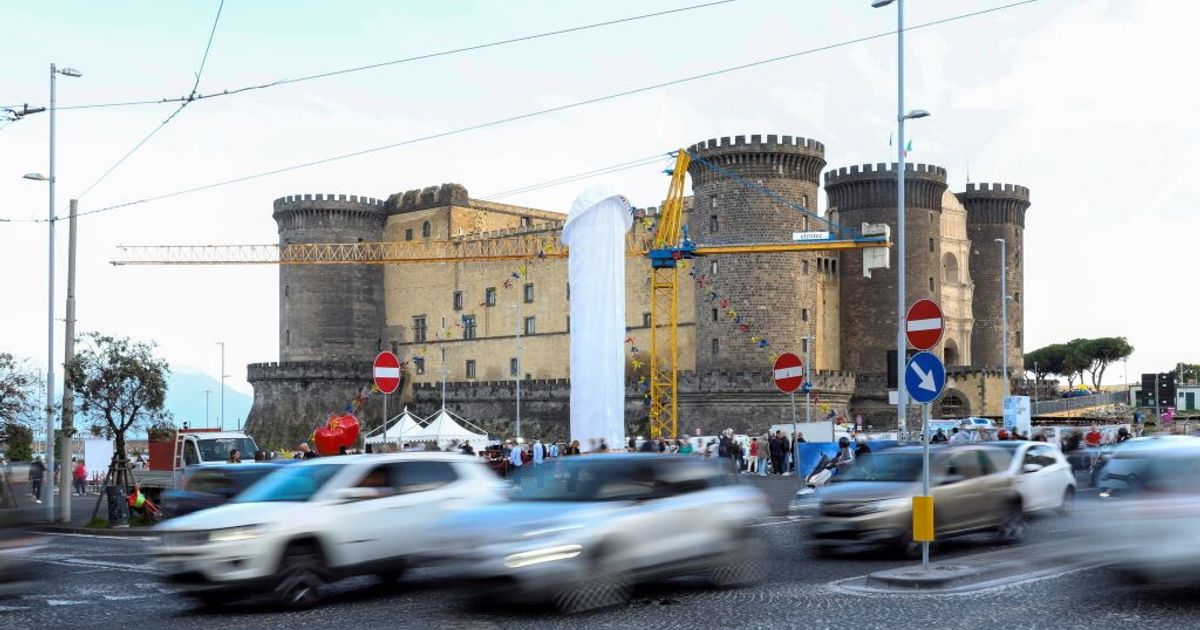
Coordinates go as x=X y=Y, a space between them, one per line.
x=949 y=268
x=426 y=230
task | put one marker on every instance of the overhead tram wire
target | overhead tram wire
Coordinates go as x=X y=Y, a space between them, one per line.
x=567 y=179
x=550 y=110
x=189 y=100
x=393 y=62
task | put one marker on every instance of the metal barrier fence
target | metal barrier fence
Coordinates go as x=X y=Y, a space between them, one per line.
x=1060 y=405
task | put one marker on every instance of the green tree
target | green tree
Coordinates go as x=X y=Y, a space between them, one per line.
x=18 y=390
x=1102 y=352
x=1076 y=359
x=119 y=384
x=1186 y=372
x=19 y=441
x=1046 y=360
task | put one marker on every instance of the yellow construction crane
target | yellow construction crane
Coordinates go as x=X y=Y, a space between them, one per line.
x=666 y=247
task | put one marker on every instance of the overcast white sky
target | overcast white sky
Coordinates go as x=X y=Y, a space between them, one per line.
x=1090 y=103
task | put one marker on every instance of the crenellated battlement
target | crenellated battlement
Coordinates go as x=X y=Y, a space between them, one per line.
x=773 y=144
x=883 y=170
x=775 y=156
x=428 y=197
x=1013 y=191
x=995 y=203
x=864 y=186
x=329 y=201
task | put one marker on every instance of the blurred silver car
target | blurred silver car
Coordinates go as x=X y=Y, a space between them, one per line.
x=1150 y=535
x=1122 y=472
x=581 y=531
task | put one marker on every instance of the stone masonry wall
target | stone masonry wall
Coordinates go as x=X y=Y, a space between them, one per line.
x=866 y=194
x=329 y=312
x=769 y=291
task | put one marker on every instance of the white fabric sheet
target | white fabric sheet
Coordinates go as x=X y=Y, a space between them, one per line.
x=595 y=232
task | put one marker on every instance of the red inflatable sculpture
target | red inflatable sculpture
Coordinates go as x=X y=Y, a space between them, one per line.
x=338 y=432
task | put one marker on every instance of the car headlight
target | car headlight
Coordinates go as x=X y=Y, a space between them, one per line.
x=885 y=505
x=233 y=534
x=538 y=556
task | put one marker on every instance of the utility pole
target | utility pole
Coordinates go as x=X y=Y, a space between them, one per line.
x=517 y=376
x=1003 y=316
x=221 y=419
x=68 y=403
x=901 y=341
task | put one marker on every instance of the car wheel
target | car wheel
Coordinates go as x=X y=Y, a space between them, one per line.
x=1068 y=502
x=606 y=584
x=741 y=565
x=206 y=600
x=392 y=575
x=1011 y=529
x=300 y=577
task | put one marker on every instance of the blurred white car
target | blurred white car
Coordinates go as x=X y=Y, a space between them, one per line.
x=318 y=521
x=581 y=531
x=1042 y=476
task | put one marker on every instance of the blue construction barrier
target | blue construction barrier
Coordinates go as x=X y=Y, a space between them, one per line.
x=810 y=452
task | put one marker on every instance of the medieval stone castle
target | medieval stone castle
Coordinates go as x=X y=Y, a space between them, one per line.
x=461 y=322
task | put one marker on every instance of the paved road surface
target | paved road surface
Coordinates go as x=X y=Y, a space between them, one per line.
x=97 y=583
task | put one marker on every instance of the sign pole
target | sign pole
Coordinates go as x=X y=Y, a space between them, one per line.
x=385 y=418
x=925 y=475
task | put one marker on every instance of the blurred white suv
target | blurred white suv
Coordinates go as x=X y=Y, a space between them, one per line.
x=321 y=520
x=1041 y=475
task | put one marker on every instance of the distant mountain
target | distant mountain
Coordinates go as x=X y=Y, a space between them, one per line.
x=185 y=401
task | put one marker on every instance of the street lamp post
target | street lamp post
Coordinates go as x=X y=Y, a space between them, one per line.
x=206 y=393
x=48 y=488
x=1003 y=317
x=901 y=116
x=221 y=420
x=517 y=376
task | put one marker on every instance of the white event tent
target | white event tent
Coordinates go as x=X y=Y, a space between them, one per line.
x=401 y=427
x=446 y=428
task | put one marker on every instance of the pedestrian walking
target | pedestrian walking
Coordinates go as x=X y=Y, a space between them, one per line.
x=752 y=460
x=539 y=452
x=37 y=472
x=778 y=447
x=79 y=475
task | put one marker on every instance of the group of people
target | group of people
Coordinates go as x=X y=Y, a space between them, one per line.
x=37 y=475
x=536 y=453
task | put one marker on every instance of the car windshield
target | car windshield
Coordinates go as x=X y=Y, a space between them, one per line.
x=290 y=483
x=884 y=466
x=218 y=449
x=578 y=479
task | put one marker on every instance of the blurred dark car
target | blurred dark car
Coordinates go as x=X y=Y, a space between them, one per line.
x=1122 y=470
x=210 y=485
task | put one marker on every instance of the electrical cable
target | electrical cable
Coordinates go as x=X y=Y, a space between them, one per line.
x=568 y=106
x=566 y=179
x=190 y=99
x=421 y=57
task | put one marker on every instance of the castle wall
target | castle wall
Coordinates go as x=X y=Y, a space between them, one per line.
x=775 y=295
x=997 y=211
x=867 y=194
x=957 y=287
x=329 y=312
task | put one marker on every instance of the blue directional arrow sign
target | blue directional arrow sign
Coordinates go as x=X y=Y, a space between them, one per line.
x=924 y=377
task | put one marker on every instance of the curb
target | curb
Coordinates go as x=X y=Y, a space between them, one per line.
x=976 y=572
x=97 y=531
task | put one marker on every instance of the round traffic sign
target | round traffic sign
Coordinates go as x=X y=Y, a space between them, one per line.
x=788 y=372
x=923 y=324
x=924 y=377
x=386 y=372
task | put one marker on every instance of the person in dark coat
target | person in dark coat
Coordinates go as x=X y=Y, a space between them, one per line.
x=37 y=472
x=778 y=445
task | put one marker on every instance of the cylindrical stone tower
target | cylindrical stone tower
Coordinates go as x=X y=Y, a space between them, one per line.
x=996 y=211
x=866 y=194
x=771 y=293
x=330 y=312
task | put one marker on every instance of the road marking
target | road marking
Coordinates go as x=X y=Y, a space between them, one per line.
x=100 y=564
x=104 y=536
x=779 y=520
x=64 y=602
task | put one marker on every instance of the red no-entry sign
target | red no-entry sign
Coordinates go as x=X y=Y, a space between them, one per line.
x=789 y=372
x=387 y=372
x=923 y=324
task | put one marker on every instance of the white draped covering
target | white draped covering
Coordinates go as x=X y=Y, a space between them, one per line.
x=595 y=233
